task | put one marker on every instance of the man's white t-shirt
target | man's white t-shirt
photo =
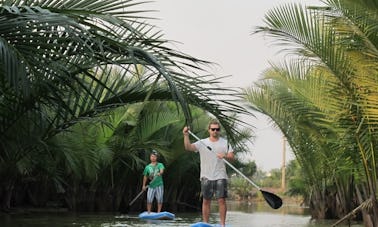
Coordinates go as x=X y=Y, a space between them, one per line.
x=212 y=167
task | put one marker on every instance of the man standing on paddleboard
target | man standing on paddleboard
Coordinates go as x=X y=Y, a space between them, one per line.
x=154 y=172
x=213 y=174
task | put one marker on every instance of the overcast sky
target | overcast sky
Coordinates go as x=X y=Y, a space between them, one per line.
x=220 y=31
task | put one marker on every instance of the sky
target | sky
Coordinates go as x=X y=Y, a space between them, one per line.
x=220 y=31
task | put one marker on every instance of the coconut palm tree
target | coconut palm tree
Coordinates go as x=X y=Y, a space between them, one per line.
x=323 y=100
x=66 y=61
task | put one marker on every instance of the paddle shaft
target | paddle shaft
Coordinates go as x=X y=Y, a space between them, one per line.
x=136 y=197
x=227 y=162
x=140 y=193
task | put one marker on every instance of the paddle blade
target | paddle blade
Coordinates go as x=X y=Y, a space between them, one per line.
x=273 y=200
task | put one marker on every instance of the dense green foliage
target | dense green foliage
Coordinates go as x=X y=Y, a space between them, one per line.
x=87 y=88
x=324 y=101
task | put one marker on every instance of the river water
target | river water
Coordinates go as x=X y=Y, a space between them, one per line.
x=238 y=215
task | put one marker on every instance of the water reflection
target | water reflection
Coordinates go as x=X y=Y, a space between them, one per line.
x=263 y=207
x=239 y=215
x=260 y=214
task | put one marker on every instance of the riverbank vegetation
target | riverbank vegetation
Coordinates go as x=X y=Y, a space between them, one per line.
x=324 y=100
x=88 y=88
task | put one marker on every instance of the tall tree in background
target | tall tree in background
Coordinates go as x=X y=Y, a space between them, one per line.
x=324 y=101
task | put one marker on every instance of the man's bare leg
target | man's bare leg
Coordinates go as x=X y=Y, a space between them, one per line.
x=222 y=211
x=206 y=209
x=160 y=205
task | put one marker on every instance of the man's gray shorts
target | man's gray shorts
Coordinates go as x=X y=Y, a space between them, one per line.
x=209 y=188
x=157 y=193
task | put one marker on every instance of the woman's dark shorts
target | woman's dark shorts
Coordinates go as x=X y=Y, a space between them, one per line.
x=209 y=188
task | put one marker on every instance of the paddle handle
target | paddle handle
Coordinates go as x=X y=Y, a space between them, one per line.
x=227 y=162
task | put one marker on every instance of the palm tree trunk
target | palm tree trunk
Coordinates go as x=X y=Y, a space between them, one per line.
x=369 y=215
x=7 y=196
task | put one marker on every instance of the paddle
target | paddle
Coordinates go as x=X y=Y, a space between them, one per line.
x=273 y=200
x=136 y=197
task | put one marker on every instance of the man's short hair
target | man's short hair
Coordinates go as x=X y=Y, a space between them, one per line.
x=213 y=122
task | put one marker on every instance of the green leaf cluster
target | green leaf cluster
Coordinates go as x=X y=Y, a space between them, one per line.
x=323 y=98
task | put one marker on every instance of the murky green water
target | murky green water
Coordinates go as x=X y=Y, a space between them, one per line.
x=239 y=215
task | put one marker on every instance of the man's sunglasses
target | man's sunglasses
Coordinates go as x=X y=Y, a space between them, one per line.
x=215 y=129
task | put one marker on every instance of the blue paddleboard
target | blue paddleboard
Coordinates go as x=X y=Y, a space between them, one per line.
x=157 y=216
x=204 y=224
